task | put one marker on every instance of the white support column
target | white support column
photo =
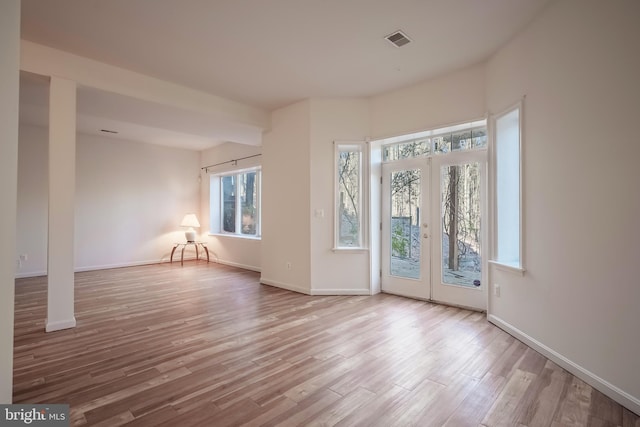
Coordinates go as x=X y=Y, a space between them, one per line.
x=9 y=84
x=62 y=181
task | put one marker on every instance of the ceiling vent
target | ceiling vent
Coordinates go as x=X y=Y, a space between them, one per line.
x=398 y=38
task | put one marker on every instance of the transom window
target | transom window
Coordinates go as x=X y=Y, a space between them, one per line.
x=468 y=136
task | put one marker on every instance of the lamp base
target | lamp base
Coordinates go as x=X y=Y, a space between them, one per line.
x=190 y=235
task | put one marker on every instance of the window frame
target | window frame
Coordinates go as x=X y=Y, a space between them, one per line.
x=461 y=158
x=502 y=264
x=216 y=204
x=360 y=147
x=432 y=134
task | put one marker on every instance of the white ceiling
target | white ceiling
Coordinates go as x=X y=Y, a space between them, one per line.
x=266 y=54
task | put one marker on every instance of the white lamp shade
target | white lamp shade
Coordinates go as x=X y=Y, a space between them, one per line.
x=190 y=220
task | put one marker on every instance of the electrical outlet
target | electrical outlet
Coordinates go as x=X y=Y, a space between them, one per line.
x=496 y=290
x=288 y=265
x=24 y=257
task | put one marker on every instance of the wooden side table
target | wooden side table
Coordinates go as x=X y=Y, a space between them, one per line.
x=184 y=245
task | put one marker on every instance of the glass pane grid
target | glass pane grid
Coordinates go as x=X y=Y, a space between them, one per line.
x=407 y=149
x=405 y=239
x=228 y=204
x=508 y=231
x=240 y=203
x=248 y=202
x=349 y=199
x=447 y=142
x=460 y=212
x=479 y=138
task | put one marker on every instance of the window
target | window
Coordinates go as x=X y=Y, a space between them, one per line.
x=349 y=194
x=406 y=150
x=466 y=136
x=507 y=189
x=235 y=203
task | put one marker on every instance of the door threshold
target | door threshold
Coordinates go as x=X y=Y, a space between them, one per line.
x=448 y=304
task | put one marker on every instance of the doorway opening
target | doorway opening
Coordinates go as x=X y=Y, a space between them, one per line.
x=433 y=214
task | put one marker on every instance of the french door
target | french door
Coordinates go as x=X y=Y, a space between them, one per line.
x=433 y=235
x=405 y=228
x=459 y=265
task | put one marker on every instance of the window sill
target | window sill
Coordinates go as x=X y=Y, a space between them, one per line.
x=351 y=250
x=510 y=268
x=236 y=236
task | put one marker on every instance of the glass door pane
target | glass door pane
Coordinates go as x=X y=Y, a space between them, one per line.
x=405 y=225
x=405 y=243
x=460 y=214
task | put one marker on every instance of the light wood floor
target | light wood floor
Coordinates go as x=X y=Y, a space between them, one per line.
x=207 y=345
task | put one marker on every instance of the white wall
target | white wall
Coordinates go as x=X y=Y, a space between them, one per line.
x=285 y=199
x=453 y=98
x=130 y=199
x=298 y=174
x=32 y=201
x=333 y=272
x=578 y=65
x=236 y=251
x=449 y=99
x=9 y=83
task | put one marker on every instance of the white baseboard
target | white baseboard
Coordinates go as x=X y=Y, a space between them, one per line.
x=125 y=264
x=236 y=264
x=28 y=274
x=99 y=267
x=60 y=324
x=136 y=264
x=318 y=292
x=340 y=292
x=622 y=397
x=286 y=286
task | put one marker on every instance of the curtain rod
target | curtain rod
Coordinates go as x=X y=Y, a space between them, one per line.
x=233 y=161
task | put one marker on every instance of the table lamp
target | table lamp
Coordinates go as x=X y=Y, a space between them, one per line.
x=190 y=221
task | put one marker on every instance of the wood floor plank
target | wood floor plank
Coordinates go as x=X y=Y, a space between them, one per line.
x=532 y=361
x=208 y=345
x=127 y=418
x=269 y=387
x=492 y=352
x=542 y=410
x=415 y=405
x=503 y=413
x=604 y=409
x=629 y=419
x=476 y=405
x=100 y=408
x=438 y=411
x=376 y=411
x=342 y=408
x=335 y=370
x=306 y=410
x=574 y=410
x=270 y=412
